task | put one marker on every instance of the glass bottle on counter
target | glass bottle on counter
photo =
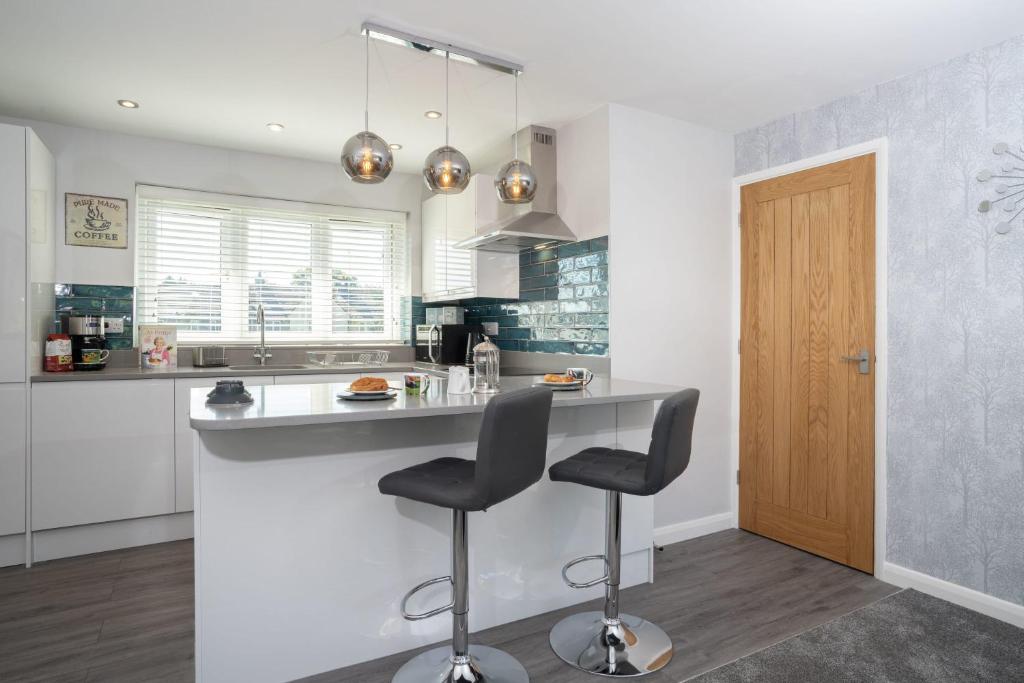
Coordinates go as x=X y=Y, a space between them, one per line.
x=485 y=367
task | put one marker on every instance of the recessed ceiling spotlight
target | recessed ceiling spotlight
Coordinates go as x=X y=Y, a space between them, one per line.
x=431 y=114
x=128 y=104
x=395 y=146
x=275 y=127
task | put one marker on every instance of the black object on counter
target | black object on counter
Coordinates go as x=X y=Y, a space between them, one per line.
x=229 y=392
x=89 y=352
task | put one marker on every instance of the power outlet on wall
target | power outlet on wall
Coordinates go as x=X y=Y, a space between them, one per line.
x=491 y=329
x=113 y=325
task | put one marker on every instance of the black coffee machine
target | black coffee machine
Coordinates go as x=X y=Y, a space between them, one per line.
x=88 y=342
x=446 y=344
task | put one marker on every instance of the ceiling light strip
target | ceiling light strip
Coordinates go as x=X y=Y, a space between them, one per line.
x=440 y=48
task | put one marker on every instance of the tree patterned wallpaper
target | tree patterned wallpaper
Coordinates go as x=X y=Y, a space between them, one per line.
x=956 y=308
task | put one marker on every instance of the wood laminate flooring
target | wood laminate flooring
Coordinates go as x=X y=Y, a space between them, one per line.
x=127 y=615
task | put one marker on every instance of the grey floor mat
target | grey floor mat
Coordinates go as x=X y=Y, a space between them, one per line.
x=904 y=638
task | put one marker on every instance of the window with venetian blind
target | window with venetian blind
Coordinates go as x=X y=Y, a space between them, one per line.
x=323 y=274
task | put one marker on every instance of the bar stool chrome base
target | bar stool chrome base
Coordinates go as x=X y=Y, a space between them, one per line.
x=485 y=665
x=627 y=646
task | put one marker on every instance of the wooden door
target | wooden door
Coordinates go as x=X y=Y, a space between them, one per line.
x=806 y=409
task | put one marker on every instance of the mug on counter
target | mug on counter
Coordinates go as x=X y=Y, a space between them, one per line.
x=416 y=383
x=583 y=374
x=94 y=356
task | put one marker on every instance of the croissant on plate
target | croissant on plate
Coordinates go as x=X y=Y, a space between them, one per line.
x=559 y=379
x=369 y=384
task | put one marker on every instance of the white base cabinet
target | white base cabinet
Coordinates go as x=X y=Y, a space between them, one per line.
x=12 y=458
x=183 y=450
x=101 y=450
x=108 y=450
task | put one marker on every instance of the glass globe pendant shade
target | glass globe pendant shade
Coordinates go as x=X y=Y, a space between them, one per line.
x=366 y=158
x=446 y=171
x=516 y=183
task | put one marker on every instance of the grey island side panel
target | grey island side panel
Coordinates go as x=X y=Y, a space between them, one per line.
x=311 y=404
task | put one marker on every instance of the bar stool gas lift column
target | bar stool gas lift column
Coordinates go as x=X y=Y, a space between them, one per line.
x=609 y=643
x=511 y=451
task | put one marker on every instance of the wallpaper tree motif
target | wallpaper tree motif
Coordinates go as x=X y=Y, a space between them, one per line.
x=956 y=309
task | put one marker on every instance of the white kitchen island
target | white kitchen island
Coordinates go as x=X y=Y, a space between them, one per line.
x=301 y=563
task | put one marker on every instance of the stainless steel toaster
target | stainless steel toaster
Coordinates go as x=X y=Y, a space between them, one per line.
x=209 y=356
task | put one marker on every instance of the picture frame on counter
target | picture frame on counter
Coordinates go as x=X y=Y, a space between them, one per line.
x=158 y=347
x=95 y=221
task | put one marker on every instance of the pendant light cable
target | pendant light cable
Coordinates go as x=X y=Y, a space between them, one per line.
x=515 y=131
x=366 y=102
x=447 y=55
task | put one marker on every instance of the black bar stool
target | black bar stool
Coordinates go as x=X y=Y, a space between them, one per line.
x=510 y=455
x=608 y=643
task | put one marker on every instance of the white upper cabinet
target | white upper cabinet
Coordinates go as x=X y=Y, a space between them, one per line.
x=450 y=273
x=14 y=253
x=27 y=255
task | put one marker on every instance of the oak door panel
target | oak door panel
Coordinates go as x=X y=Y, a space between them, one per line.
x=806 y=413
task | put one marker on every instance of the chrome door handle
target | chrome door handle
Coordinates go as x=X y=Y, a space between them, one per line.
x=863 y=360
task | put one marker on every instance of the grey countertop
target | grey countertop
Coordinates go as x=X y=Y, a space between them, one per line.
x=308 y=404
x=191 y=372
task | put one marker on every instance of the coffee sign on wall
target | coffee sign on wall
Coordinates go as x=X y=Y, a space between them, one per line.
x=91 y=221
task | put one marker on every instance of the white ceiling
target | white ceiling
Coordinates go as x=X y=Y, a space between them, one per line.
x=216 y=71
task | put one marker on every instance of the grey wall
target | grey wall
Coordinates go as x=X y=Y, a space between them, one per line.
x=956 y=309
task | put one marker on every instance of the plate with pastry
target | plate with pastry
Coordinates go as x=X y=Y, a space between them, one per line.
x=561 y=382
x=371 y=396
x=369 y=386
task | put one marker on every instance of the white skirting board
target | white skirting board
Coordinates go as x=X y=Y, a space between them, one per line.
x=994 y=607
x=997 y=608
x=50 y=544
x=684 y=531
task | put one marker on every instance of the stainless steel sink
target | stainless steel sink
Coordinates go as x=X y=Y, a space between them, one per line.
x=269 y=366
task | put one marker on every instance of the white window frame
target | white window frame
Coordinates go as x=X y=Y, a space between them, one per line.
x=234 y=330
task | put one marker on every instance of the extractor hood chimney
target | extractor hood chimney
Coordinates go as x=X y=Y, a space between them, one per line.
x=528 y=226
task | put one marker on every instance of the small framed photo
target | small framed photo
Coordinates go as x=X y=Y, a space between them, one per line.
x=92 y=221
x=158 y=347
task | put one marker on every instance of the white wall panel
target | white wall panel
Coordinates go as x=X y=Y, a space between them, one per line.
x=669 y=286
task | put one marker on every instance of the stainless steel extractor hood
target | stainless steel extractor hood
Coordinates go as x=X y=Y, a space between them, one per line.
x=528 y=226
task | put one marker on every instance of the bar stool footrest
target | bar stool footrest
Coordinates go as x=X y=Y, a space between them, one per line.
x=585 y=584
x=430 y=613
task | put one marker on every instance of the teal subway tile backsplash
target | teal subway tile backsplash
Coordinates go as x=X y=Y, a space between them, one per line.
x=532 y=270
x=104 y=291
x=110 y=301
x=574 y=277
x=562 y=306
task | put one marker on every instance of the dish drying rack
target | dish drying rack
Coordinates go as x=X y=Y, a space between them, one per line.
x=338 y=359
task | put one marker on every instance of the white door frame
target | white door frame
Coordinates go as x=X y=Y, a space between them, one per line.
x=880 y=147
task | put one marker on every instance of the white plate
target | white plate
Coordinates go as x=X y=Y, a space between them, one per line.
x=574 y=383
x=368 y=396
x=375 y=392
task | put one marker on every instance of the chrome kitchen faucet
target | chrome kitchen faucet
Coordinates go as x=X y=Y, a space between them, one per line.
x=262 y=352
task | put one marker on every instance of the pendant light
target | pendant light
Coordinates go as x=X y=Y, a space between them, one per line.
x=515 y=182
x=366 y=158
x=446 y=169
